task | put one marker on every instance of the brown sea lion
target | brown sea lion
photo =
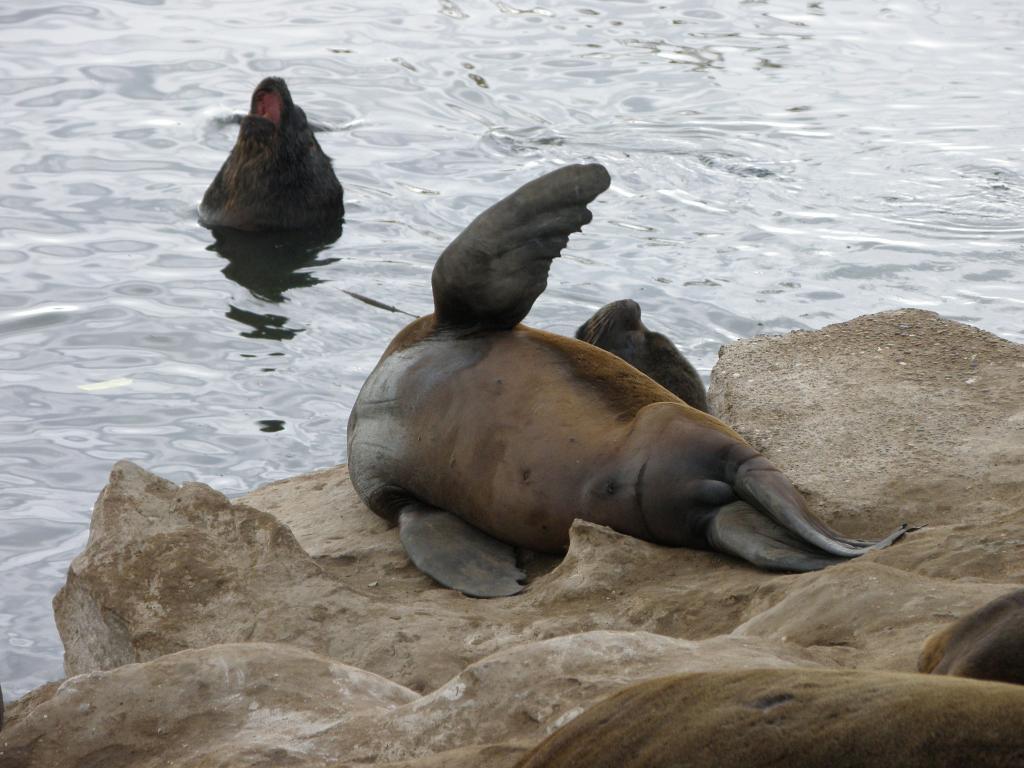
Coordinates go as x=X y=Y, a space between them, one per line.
x=477 y=434
x=798 y=718
x=617 y=328
x=277 y=176
x=987 y=644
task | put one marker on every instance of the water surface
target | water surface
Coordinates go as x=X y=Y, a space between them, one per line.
x=776 y=165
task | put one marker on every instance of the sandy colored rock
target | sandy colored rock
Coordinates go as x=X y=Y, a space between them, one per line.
x=900 y=415
x=168 y=569
x=331 y=577
x=797 y=718
x=262 y=704
x=303 y=562
x=237 y=705
x=864 y=614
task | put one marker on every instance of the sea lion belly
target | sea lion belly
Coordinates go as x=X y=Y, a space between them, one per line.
x=499 y=429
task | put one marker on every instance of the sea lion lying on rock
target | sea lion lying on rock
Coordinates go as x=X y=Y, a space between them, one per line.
x=617 y=328
x=987 y=644
x=477 y=434
x=277 y=176
x=798 y=718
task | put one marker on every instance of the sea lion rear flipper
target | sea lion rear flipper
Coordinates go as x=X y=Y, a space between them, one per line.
x=456 y=554
x=492 y=273
x=760 y=484
x=739 y=529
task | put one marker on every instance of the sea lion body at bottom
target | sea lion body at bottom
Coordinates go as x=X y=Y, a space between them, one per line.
x=617 y=328
x=798 y=718
x=987 y=644
x=477 y=434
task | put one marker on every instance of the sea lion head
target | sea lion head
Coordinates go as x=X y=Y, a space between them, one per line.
x=617 y=328
x=614 y=325
x=273 y=116
x=277 y=176
x=987 y=644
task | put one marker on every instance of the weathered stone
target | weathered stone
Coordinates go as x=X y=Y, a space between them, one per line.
x=168 y=569
x=260 y=704
x=228 y=705
x=895 y=416
x=865 y=614
x=303 y=562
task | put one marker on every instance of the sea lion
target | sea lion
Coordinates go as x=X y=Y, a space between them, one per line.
x=617 y=328
x=277 y=176
x=799 y=718
x=477 y=434
x=987 y=644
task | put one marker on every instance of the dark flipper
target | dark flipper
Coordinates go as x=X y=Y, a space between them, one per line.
x=739 y=529
x=456 y=554
x=766 y=488
x=492 y=273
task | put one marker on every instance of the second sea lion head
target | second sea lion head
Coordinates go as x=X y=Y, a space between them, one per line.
x=613 y=326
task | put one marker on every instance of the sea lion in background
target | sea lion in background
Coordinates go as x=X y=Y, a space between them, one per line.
x=798 y=718
x=617 y=328
x=277 y=176
x=477 y=434
x=987 y=644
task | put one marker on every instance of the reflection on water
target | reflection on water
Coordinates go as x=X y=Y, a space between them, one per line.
x=776 y=164
x=262 y=325
x=269 y=264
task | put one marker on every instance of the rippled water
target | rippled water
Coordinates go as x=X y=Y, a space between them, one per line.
x=776 y=165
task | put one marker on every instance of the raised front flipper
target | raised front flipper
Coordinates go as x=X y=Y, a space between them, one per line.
x=739 y=529
x=492 y=273
x=456 y=554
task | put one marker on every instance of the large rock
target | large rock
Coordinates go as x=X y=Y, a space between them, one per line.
x=895 y=416
x=169 y=568
x=889 y=417
x=237 y=705
x=260 y=704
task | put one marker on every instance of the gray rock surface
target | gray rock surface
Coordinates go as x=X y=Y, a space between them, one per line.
x=895 y=416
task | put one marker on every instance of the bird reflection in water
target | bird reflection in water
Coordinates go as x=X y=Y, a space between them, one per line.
x=268 y=264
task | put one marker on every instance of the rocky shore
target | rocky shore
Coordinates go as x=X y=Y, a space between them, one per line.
x=287 y=627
